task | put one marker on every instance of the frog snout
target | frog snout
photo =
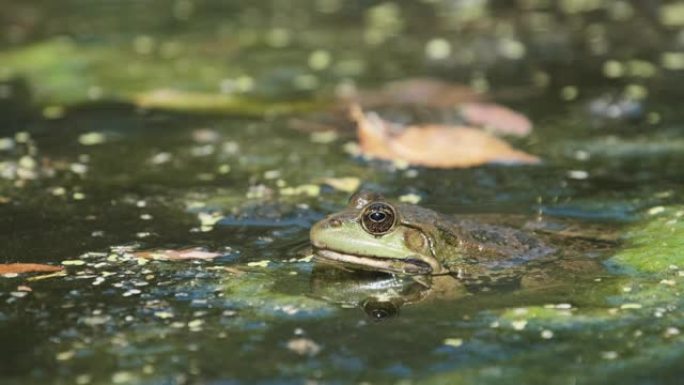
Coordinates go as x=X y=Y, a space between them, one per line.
x=321 y=230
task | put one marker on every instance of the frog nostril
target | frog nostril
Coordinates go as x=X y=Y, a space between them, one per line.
x=335 y=223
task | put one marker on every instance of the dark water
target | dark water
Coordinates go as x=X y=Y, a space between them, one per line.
x=88 y=179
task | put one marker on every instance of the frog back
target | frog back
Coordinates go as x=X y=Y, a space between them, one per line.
x=477 y=250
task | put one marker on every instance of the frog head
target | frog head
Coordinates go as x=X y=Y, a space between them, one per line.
x=373 y=233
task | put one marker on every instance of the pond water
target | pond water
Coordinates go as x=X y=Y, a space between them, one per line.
x=96 y=168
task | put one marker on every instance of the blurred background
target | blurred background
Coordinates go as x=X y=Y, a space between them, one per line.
x=76 y=51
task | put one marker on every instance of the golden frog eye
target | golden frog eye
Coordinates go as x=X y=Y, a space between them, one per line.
x=378 y=218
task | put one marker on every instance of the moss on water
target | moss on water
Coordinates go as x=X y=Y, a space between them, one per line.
x=655 y=245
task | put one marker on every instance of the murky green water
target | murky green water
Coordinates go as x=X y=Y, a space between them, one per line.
x=88 y=178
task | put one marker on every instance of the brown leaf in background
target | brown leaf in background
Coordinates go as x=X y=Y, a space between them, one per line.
x=433 y=145
x=426 y=92
x=21 y=268
x=498 y=119
x=420 y=97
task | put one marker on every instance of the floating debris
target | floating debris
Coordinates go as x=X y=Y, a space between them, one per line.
x=178 y=255
x=96 y=320
x=205 y=135
x=519 y=324
x=53 y=112
x=410 y=198
x=123 y=378
x=195 y=325
x=92 y=138
x=453 y=342
x=61 y=273
x=263 y=263
x=6 y=144
x=578 y=174
x=311 y=190
x=324 y=137
x=303 y=346
x=164 y=314
x=161 y=158
x=616 y=107
x=65 y=356
x=130 y=292
x=208 y=220
x=346 y=184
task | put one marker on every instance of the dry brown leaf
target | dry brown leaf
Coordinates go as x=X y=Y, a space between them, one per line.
x=21 y=268
x=433 y=145
x=426 y=92
x=497 y=118
x=178 y=255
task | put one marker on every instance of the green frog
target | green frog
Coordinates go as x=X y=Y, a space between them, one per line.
x=403 y=239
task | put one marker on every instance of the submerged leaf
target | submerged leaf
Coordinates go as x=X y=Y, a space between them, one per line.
x=21 y=268
x=208 y=102
x=433 y=145
x=425 y=92
x=496 y=118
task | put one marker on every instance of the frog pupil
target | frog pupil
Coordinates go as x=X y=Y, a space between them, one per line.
x=377 y=216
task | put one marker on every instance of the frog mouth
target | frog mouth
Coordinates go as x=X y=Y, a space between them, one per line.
x=408 y=266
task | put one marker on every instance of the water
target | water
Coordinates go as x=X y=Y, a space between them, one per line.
x=90 y=178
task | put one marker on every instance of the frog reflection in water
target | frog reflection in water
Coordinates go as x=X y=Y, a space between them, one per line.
x=443 y=253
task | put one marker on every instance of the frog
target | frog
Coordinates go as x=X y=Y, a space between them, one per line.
x=376 y=234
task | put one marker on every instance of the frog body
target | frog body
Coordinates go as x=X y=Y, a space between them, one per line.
x=375 y=234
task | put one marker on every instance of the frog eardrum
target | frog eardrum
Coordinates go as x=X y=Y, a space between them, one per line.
x=378 y=218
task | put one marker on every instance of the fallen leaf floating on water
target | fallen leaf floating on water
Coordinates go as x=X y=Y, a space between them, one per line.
x=21 y=268
x=178 y=255
x=496 y=118
x=433 y=145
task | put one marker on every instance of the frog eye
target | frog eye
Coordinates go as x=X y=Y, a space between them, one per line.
x=378 y=218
